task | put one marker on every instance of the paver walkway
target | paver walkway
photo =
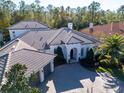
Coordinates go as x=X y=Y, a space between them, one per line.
x=72 y=78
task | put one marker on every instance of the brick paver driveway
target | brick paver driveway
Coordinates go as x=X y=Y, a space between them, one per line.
x=72 y=78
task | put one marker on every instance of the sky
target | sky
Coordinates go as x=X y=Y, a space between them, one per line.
x=105 y=4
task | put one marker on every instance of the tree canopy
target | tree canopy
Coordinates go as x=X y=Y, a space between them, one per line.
x=17 y=82
x=56 y=17
x=112 y=48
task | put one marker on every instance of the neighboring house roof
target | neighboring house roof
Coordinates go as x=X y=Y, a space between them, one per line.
x=107 y=29
x=28 y=25
x=34 y=60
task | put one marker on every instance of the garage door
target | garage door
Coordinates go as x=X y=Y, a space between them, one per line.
x=47 y=70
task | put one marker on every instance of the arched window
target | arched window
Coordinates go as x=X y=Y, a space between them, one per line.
x=82 y=51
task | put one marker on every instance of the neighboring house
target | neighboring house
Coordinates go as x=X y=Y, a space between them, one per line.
x=101 y=31
x=24 y=26
x=35 y=49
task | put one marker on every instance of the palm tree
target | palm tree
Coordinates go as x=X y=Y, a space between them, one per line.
x=113 y=47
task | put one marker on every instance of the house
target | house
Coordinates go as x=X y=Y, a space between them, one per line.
x=36 y=49
x=24 y=26
x=73 y=43
x=101 y=31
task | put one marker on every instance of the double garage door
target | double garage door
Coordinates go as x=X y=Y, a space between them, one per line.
x=47 y=70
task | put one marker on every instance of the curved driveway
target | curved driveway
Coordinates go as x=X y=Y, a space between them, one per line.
x=72 y=78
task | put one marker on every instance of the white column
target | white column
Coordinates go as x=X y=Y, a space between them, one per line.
x=41 y=75
x=85 y=52
x=67 y=53
x=78 y=54
x=52 y=66
x=68 y=56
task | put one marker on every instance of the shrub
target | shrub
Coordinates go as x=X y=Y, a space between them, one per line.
x=59 y=59
x=90 y=57
x=89 y=61
x=122 y=58
x=1 y=43
x=34 y=80
x=105 y=61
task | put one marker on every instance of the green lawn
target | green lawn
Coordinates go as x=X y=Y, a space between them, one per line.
x=119 y=73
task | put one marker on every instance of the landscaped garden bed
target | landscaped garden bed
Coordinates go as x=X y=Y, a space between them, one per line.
x=118 y=73
x=109 y=57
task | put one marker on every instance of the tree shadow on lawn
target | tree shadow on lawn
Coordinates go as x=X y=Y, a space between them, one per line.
x=68 y=77
x=113 y=82
x=117 y=81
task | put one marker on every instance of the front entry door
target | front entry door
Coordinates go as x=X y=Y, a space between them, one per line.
x=73 y=55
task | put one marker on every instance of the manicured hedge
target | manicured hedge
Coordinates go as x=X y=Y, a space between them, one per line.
x=59 y=59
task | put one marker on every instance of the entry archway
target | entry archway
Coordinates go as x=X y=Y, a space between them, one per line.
x=73 y=54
